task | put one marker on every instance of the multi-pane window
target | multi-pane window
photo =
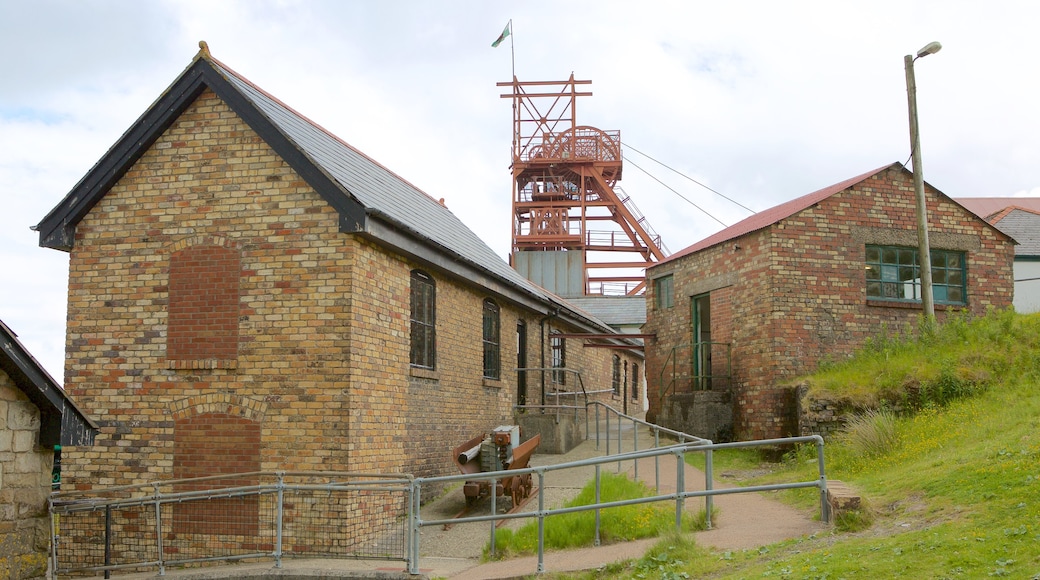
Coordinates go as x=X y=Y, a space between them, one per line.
x=492 y=346
x=893 y=273
x=616 y=375
x=664 y=292
x=558 y=348
x=424 y=321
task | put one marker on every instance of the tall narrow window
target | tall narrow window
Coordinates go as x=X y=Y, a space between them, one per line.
x=424 y=321
x=635 y=382
x=664 y=292
x=558 y=346
x=492 y=346
x=615 y=382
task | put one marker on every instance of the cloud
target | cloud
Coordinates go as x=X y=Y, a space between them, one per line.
x=761 y=101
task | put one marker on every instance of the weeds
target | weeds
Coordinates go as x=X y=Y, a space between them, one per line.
x=577 y=529
x=871 y=434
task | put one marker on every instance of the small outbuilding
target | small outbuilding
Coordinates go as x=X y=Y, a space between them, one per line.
x=35 y=416
x=741 y=312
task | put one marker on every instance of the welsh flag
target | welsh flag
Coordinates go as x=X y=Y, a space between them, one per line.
x=501 y=37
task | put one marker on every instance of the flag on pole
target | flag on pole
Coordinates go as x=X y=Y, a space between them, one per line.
x=501 y=37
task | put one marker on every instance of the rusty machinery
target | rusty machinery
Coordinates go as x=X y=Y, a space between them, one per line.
x=501 y=451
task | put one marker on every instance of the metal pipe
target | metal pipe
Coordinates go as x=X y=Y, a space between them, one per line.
x=709 y=484
x=108 y=540
x=541 y=522
x=158 y=530
x=280 y=515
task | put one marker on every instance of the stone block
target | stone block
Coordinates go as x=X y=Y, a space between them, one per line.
x=842 y=498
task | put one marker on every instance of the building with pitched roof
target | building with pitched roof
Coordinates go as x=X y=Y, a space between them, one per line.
x=741 y=312
x=1018 y=217
x=238 y=271
x=37 y=418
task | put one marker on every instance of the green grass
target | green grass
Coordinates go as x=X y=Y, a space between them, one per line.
x=617 y=524
x=954 y=491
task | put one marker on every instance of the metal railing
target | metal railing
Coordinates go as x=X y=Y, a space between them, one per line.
x=351 y=515
x=689 y=444
x=231 y=517
x=680 y=371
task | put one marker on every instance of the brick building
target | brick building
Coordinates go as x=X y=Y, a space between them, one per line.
x=767 y=298
x=248 y=292
x=1018 y=217
x=35 y=416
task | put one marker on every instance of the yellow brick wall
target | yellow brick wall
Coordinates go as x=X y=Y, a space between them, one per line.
x=323 y=346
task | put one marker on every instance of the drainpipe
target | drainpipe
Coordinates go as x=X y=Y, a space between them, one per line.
x=553 y=312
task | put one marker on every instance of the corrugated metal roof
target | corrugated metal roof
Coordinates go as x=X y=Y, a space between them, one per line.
x=985 y=207
x=774 y=214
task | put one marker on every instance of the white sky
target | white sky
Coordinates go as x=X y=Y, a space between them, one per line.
x=762 y=101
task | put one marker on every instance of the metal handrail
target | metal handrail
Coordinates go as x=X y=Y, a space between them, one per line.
x=677 y=451
x=411 y=490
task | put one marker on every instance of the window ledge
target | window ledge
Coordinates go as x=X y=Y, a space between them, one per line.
x=203 y=363
x=424 y=373
x=911 y=305
x=493 y=383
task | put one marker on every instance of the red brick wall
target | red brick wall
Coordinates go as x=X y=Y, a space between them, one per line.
x=795 y=293
x=216 y=444
x=202 y=318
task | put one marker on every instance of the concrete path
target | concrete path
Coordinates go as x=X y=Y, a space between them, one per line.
x=742 y=521
x=746 y=520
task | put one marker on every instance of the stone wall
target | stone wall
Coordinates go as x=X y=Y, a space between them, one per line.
x=25 y=481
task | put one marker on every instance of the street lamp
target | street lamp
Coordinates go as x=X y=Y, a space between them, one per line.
x=924 y=254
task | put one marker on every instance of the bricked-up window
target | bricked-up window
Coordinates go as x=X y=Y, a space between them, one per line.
x=202 y=314
x=211 y=444
x=492 y=341
x=893 y=273
x=635 y=382
x=616 y=375
x=558 y=349
x=664 y=292
x=424 y=321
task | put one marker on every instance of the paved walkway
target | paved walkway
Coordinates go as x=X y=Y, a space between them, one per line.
x=743 y=520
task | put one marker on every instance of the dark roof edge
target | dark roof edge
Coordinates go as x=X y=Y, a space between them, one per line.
x=56 y=408
x=57 y=228
x=390 y=233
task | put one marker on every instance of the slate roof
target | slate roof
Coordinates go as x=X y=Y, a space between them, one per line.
x=372 y=201
x=1023 y=225
x=614 y=310
x=61 y=422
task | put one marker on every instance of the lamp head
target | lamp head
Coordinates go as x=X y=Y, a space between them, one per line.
x=930 y=48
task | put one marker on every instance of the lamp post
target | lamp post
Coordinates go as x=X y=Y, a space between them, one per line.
x=924 y=254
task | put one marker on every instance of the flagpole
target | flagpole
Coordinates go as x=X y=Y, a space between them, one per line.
x=512 y=51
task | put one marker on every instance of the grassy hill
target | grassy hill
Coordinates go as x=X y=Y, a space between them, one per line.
x=949 y=467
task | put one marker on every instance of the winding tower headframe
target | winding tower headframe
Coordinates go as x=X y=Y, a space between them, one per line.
x=574 y=230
